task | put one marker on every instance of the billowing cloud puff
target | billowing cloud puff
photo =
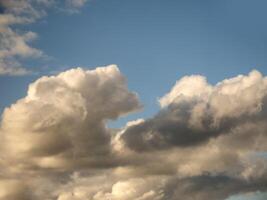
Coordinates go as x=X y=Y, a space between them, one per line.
x=61 y=121
x=204 y=130
x=195 y=111
x=157 y=188
x=109 y=187
x=203 y=144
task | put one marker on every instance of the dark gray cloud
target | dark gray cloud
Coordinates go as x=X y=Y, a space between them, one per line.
x=194 y=119
x=211 y=187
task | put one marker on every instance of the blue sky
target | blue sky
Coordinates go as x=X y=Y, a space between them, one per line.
x=154 y=43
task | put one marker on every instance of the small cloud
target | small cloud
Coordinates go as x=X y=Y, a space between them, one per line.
x=75 y=3
x=16 y=45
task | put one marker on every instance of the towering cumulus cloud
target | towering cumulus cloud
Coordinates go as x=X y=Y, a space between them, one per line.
x=203 y=144
x=61 y=122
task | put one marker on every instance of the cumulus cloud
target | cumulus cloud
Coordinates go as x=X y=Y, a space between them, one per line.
x=61 y=122
x=157 y=188
x=195 y=111
x=109 y=187
x=203 y=143
x=14 y=44
x=204 y=129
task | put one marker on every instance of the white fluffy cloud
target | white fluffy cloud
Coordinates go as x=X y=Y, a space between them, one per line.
x=229 y=98
x=61 y=122
x=110 y=188
x=203 y=143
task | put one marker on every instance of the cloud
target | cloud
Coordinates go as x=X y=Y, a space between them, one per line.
x=203 y=130
x=14 y=190
x=210 y=187
x=15 y=45
x=157 y=188
x=61 y=122
x=128 y=189
x=203 y=143
x=75 y=3
x=195 y=111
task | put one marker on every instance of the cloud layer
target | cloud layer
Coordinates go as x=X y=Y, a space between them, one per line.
x=203 y=143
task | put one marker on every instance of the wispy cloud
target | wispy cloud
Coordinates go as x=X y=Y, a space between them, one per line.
x=14 y=44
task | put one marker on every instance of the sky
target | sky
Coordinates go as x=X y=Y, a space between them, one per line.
x=161 y=60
